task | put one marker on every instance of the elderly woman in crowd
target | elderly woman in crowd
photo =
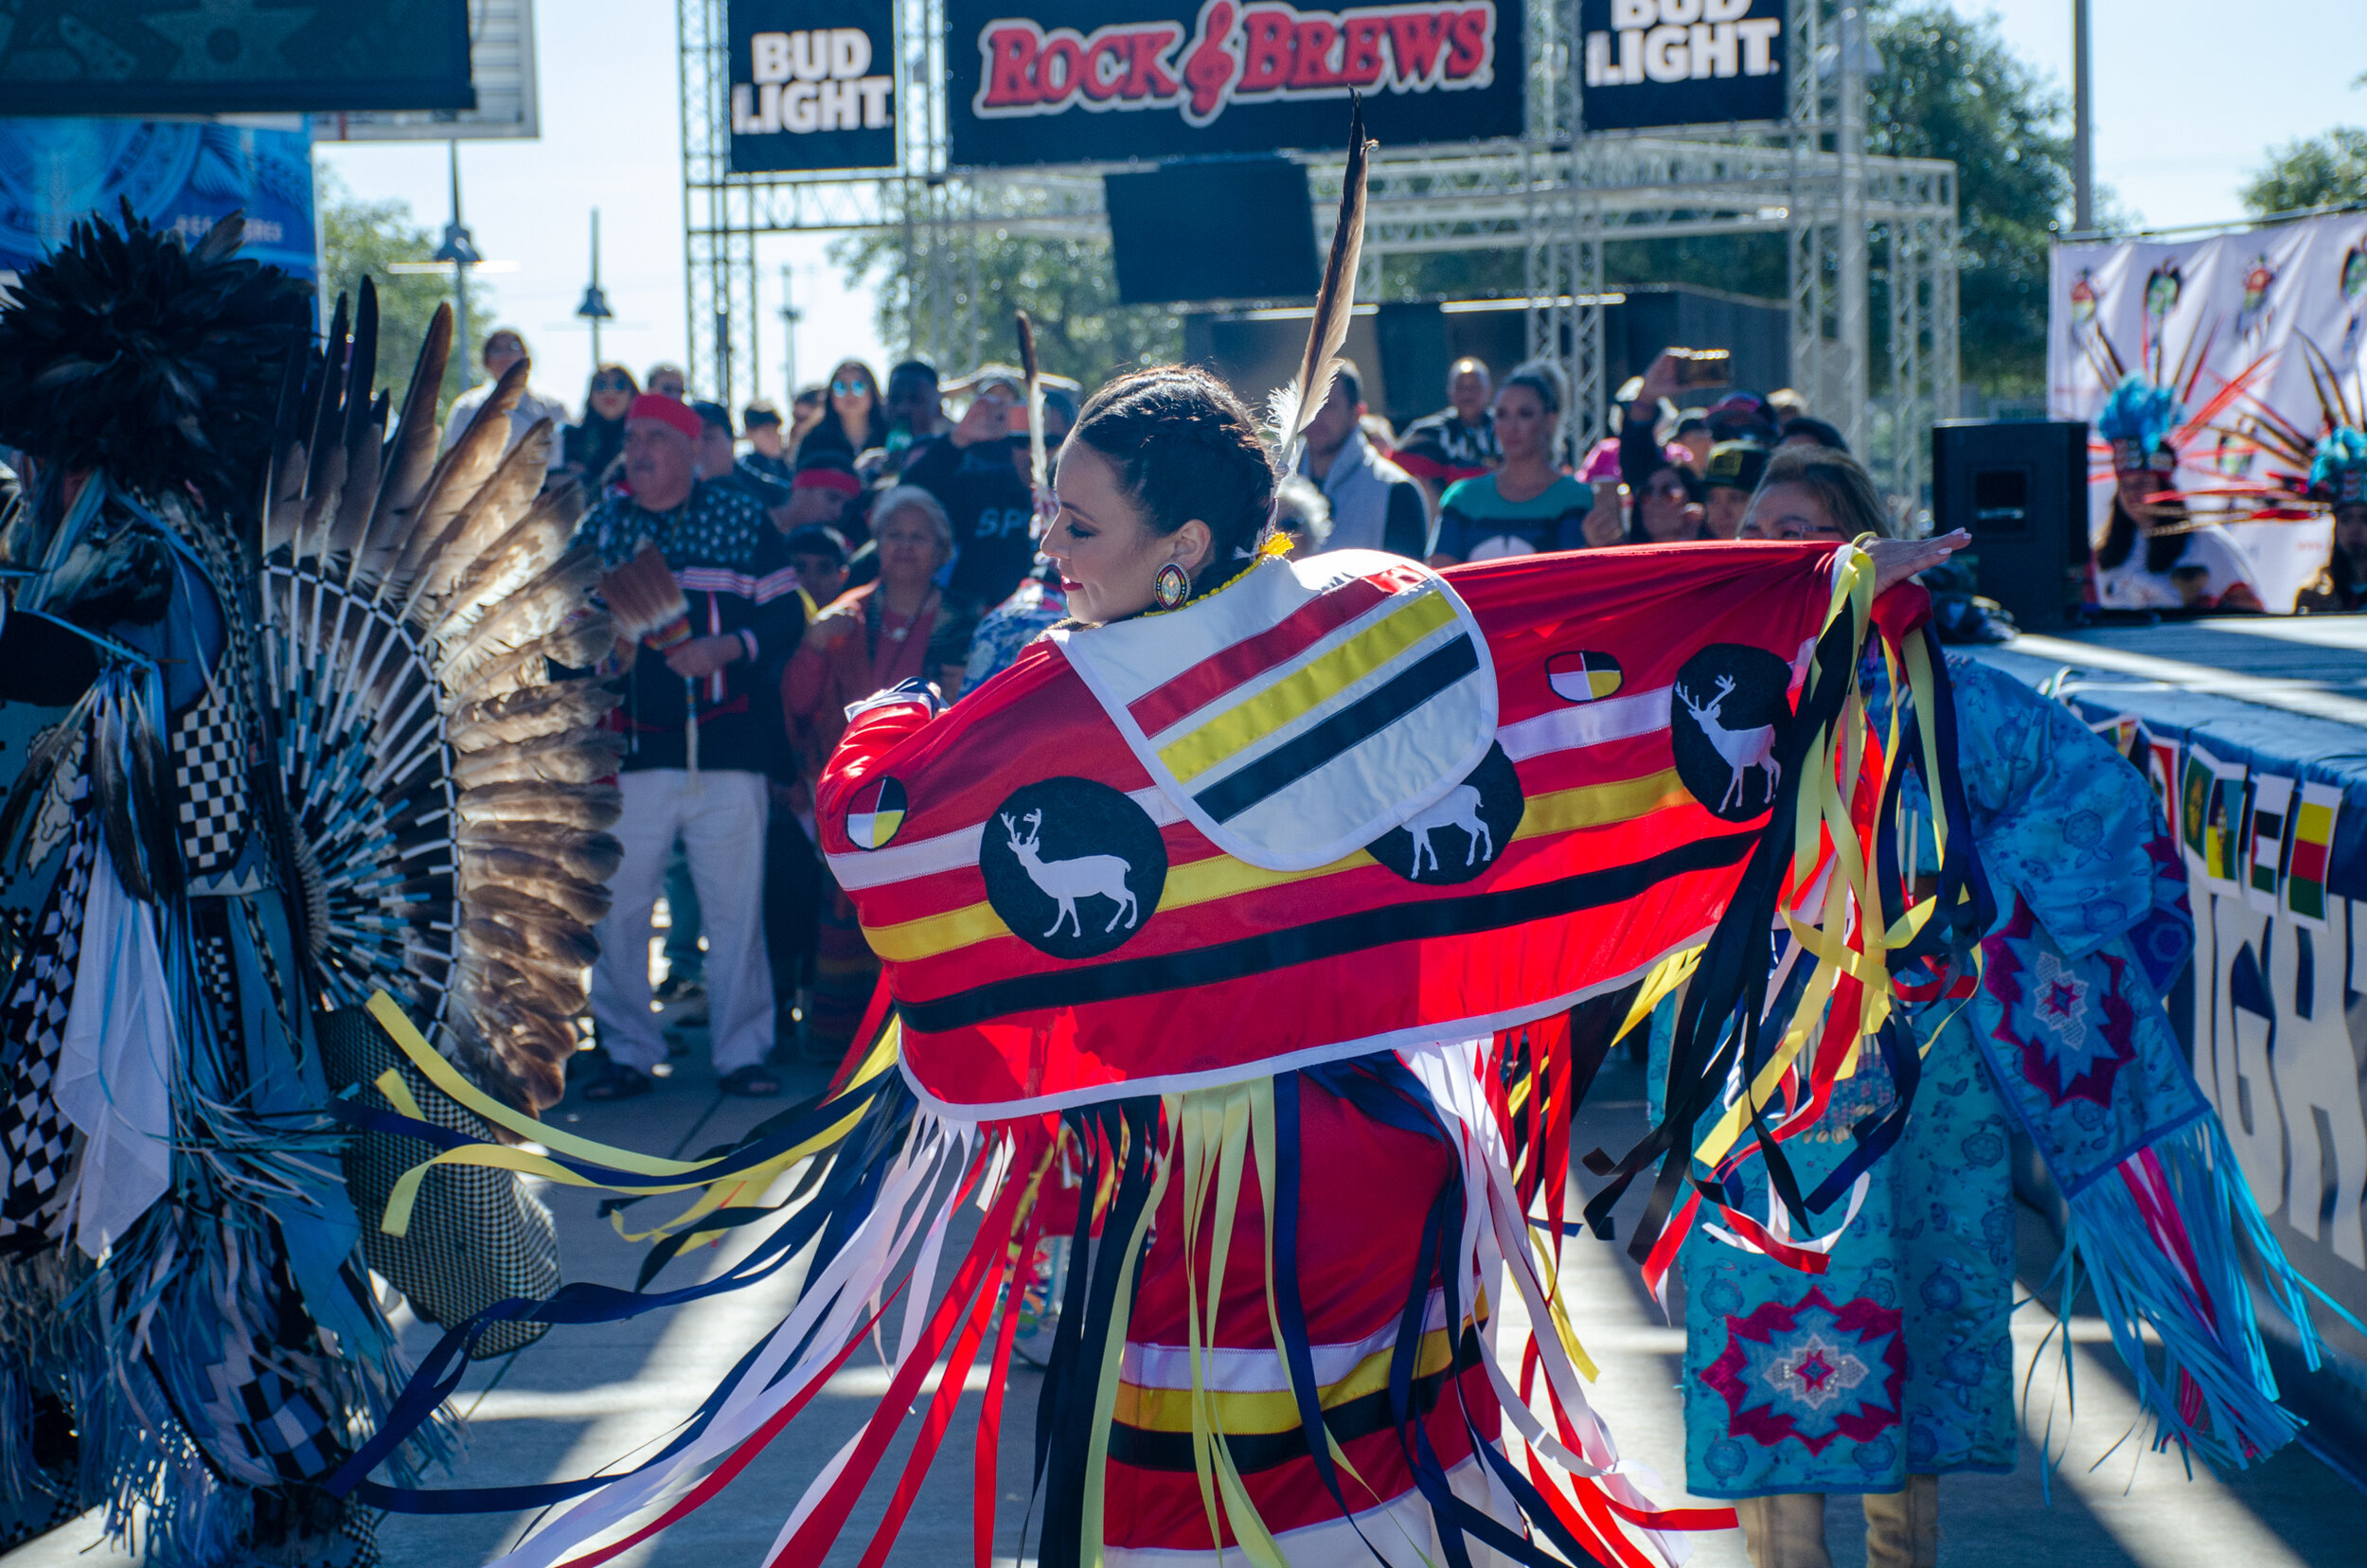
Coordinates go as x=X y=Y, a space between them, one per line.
x=899 y=627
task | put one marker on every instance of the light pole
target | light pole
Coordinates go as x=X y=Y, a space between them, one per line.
x=2083 y=125
x=790 y=316
x=459 y=252
x=595 y=307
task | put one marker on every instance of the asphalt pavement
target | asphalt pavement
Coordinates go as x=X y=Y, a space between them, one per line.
x=584 y=1399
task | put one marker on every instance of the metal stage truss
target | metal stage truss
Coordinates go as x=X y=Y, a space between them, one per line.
x=1866 y=233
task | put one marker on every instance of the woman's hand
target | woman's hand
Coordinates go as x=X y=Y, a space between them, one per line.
x=702 y=656
x=986 y=418
x=1897 y=560
x=1607 y=524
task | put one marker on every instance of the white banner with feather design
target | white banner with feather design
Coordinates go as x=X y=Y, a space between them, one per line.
x=2261 y=332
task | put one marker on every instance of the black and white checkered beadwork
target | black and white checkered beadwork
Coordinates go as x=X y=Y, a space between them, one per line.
x=209 y=756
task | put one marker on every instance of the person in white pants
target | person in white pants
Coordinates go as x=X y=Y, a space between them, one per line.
x=718 y=818
x=720 y=673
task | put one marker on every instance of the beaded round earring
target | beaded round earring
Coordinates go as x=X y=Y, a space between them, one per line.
x=1170 y=585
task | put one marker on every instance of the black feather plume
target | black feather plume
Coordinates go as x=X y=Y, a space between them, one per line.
x=126 y=351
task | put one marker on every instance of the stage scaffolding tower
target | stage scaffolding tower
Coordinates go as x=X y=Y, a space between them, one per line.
x=1871 y=240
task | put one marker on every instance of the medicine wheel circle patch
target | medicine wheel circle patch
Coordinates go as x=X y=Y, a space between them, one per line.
x=876 y=813
x=1074 y=867
x=1461 y=834
x=1728 y=713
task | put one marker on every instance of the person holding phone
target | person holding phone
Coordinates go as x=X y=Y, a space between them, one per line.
x=979 y=473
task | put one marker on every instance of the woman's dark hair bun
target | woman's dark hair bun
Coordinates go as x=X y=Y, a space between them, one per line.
x=1545 y=379
x=1186 y=447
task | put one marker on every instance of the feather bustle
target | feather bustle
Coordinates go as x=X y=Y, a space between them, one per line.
x=584 y=854
x=460 y=474
x=489 y=515
x=410 y=458
x=570 y=757
x=525 y=714
x=592 y=807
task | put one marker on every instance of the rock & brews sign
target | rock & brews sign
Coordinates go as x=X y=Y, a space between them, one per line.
x=1651 y=62
x=1070 y=82
x=814 y=86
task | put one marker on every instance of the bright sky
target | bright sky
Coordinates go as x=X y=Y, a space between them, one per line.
x=2189 y=96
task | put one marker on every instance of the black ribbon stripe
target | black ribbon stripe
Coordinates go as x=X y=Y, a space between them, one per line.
x=1344 y=730
x=1318 y=939
x=1145 y=1447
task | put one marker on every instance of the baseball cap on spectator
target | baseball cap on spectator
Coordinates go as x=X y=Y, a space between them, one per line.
x=1060 y=400
x=713 y=414
x=667 y=411
x=1689 y=422
x=1735 y=465
x=826 y=468
x=1817 y=431
x=1740 y=415
x=758 y=414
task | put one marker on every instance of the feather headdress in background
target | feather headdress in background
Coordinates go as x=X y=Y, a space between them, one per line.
x=2137 y=418
x=127 y=350
x=2338 y=473
x=1290 y=410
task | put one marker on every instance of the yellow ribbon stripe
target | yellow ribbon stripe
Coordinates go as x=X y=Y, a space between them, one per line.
x=1832 y=761
x=1305 y=688
x=676 y=1175
x=1223 y=877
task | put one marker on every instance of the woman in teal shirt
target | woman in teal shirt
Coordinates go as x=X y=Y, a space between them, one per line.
x=1528 y=504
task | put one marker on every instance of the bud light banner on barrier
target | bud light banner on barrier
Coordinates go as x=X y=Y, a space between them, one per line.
x=1066 y=81
x=180 y=175
x=1654 y=62
x=813 y=85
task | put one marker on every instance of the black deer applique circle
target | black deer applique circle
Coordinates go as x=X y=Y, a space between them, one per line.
x=1074 y=867
x=1727 y=714
x=1464 y=832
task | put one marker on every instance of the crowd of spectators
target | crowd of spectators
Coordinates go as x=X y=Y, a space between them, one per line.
x=875 y=535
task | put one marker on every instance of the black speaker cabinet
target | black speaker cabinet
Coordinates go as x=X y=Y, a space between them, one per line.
x=2020 y=487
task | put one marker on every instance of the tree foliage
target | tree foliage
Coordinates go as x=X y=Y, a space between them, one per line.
x=361 y=239
x=1067 y=287
x=1952 y=89
x=2329 y=170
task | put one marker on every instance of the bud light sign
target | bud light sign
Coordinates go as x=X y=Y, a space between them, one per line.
x=1653 y=62
x=814 y=86
x=1069 y=82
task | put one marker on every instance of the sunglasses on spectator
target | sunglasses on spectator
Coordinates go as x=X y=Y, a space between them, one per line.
x=612 y=384
x=848 y=388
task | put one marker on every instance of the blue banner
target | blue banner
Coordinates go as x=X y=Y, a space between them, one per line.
x=176 y=174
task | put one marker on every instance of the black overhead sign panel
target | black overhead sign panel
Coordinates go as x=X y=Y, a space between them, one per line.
x=153 y=59
x=1039 y=82
x=1654 y=62
x=813 y=85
